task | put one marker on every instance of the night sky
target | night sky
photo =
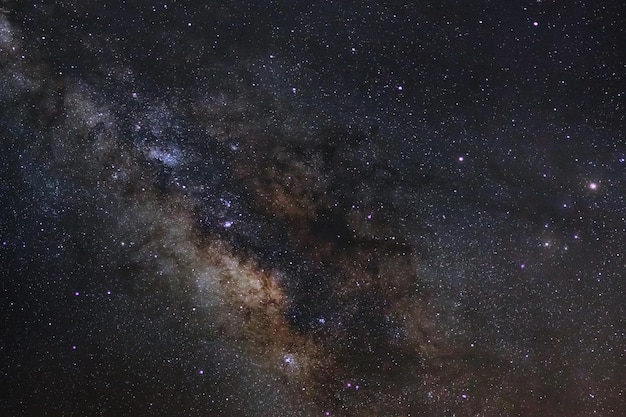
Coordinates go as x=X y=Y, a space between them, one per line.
x=312 y=208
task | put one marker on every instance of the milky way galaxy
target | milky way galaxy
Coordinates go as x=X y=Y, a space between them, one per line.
x=318 y=209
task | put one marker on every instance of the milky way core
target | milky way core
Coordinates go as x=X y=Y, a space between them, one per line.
x=316 y=209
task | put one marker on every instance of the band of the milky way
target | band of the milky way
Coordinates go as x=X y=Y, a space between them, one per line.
x=312 y=208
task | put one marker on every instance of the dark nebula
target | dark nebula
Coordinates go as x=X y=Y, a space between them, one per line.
x=327 y=208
